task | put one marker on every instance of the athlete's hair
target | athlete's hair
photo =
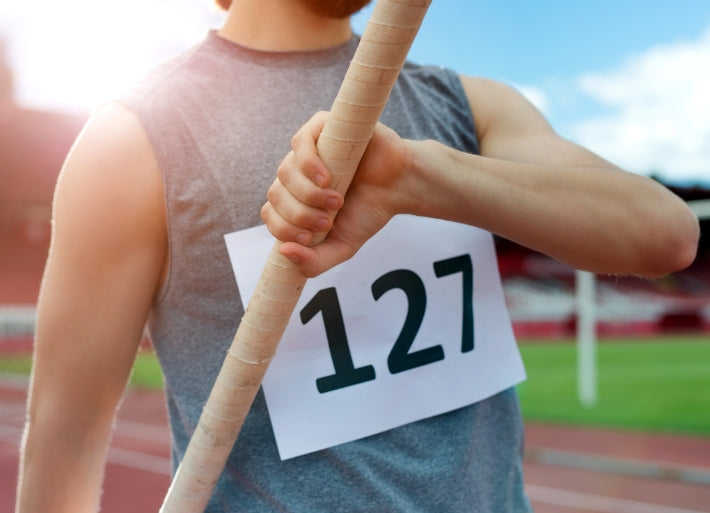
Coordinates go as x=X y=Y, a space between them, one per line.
x=223 y=4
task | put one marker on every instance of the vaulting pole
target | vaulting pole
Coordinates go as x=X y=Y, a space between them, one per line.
x=350 y=124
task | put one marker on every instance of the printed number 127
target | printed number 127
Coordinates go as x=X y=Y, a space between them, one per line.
x=400 y=358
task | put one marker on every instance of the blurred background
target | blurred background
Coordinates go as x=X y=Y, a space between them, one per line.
x=630 y=80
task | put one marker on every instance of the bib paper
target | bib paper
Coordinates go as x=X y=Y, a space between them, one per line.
x=413 y=326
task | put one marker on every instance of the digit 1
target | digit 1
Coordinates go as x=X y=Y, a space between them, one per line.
x=326 y=302
x=463 y=265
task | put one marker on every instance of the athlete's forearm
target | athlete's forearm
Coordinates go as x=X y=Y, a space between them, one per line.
x=62 y=462
x=540 y=191
x=597 y=218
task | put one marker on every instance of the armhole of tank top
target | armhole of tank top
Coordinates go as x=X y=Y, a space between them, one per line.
x=132 y=101
x=457 y=84
x=166 y=270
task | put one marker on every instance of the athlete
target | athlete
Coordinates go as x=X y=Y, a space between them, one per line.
x=160 y=176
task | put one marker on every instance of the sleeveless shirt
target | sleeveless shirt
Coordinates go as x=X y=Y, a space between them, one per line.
x=220 y=118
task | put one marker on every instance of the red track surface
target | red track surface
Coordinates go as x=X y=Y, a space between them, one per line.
x=595 y=471
x=568 y=470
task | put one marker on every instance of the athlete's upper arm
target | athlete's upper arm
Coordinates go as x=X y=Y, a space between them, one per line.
x=511 y=128
x=104 y=265
x=107 y=252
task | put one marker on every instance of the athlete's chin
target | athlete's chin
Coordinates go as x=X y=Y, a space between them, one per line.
x=336 y=9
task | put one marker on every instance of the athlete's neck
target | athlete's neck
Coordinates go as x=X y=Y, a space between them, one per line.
x=279 y=25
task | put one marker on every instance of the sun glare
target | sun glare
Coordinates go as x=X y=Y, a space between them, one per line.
x=80 y=53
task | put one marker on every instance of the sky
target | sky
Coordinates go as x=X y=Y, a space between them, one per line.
x=630 y=79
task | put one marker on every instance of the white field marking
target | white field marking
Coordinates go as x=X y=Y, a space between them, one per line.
x=125 y=429
x=116 y=456
x=142 y=431
x=14 y=382
x=12 y=412
x=597 y=503
x=10 y=434
x=139 y=461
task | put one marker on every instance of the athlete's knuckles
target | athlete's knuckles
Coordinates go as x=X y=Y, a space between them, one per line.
x=283 y=173
x=304 y=140
x=280 y=201
x=273 y=228
x=264 y=213
x=297 y=139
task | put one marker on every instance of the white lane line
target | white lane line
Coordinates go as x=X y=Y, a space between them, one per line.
x=566 y=498
x=139 y=461
x=116 y=456
x=597 y=503
x=10 y=434
x=130 y=430
x=12 y=411
x=616 y=465
x=142 y=431
x=14 y=381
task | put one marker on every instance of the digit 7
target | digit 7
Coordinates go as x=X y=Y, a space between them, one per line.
x=463 y=265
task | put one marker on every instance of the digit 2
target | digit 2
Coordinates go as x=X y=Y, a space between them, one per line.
x=400 y=359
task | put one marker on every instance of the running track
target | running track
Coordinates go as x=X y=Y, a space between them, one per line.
x=567 y=470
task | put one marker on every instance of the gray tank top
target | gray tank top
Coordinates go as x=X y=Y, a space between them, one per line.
x=220 y=118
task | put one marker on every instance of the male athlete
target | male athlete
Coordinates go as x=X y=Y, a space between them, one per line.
x=160 y=176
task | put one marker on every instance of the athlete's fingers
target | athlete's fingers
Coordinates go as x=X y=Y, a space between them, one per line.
x=293 y=221
x=312 y=261
x=303 y=144
x=295 y=178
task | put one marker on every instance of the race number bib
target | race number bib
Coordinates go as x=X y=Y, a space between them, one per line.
x=413 y=326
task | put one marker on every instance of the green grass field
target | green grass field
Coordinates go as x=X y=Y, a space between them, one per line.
x=146 y=372
x=658 y=384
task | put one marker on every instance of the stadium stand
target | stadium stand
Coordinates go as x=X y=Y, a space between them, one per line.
x=539 y=290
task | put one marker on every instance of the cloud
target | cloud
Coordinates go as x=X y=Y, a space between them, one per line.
x=537 y=96
x=656 y=111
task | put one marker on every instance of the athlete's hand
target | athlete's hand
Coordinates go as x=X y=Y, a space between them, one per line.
x=301 y=206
